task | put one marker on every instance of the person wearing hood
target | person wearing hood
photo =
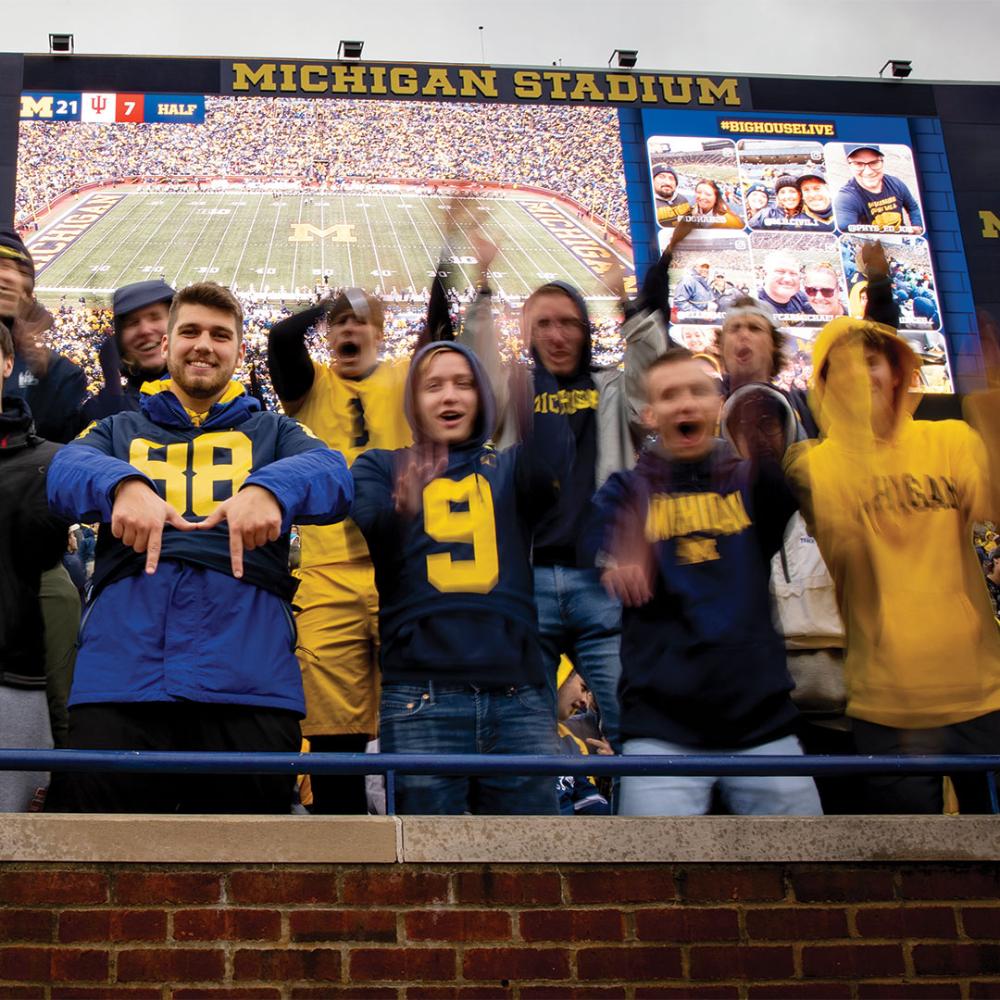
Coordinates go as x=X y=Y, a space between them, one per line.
x=32 y=541
x=134 y=352
x=53 y=387
x=891 y=501
x=684 y=540
x=196 y=494
x=601 y=409
x=449 y=523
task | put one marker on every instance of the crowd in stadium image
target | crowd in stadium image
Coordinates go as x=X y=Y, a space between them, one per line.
x=464 y=527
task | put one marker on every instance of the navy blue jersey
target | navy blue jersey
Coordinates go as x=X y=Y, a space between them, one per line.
x=195 y=468
x=702 y=664
x=857 y=207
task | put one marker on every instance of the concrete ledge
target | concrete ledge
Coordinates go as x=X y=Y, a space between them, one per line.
x=212 y=839
x=494 y=839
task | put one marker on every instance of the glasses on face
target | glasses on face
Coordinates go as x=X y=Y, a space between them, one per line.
x=827 y=293
x=862 y=165
x=568 y=323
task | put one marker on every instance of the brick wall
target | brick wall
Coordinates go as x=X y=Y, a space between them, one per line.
x=559 y=931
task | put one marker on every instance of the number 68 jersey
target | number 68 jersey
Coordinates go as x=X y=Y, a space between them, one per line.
x=456 y=597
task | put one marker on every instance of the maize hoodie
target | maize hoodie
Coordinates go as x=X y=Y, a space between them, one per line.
x=893 y=521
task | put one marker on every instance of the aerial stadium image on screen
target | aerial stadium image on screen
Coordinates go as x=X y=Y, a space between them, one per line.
x=285 y=200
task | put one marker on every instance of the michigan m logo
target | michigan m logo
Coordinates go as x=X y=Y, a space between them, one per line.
x=31 y=108
x=306 y=232
x=991 y=224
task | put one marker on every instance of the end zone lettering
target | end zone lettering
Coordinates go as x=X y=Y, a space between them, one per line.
x=52 y=242
x=757 y=127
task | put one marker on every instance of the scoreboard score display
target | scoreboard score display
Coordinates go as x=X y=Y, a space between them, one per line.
x=271 y=176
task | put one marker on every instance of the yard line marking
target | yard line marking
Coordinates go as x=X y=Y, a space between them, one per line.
x=246 y=242
x=402 y=256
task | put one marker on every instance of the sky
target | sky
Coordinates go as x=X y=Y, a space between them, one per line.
x=955 y=40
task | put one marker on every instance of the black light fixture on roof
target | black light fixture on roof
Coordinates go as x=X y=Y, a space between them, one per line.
x=626 y=58
x=349 y=50
x=901 y=68
x=60 y=44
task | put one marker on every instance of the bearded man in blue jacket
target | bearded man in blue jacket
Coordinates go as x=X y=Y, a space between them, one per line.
x=189 y=640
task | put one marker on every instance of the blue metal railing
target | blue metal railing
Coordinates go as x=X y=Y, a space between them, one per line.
x=389 y=765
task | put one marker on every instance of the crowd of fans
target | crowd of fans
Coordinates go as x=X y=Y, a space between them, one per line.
x=573 y=152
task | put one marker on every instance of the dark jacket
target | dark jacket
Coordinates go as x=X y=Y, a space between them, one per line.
x=32 y=540
x=55 y=398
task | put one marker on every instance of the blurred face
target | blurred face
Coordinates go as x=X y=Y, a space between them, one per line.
x=665 y=185
x=142 y=336
x=557 y=332
x=572 y=697
x=354 y=344
x=781 y=280
x=867 y=168
x=6 y=367
x=757 y=428
x=747 y=349
x=821 y=289
x=447 y=399
x=202 y=352
x=756 y=200
x=704 y=196
x=816 y=195
x=884 y=382
x=16 y=287
x=788 y=198
x=682 y=408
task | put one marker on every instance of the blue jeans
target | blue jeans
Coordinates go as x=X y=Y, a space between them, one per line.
x=691 y=795
x=459 y=718
x=576 y=616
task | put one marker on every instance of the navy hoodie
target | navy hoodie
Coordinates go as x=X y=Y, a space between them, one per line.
x=456 y=598
x=702 y=664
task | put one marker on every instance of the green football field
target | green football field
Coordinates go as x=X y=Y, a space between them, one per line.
x=288 y=243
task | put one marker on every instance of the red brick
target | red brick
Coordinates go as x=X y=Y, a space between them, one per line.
x=683 y=992
x=105 y=991
x=457 y=993
x=227 y=925
x=343 y=925
x=457 y=925
x=510 y=888
x=838 y=884
x=628 y=964
x=852 y=961
x=706 y=883
x=907 y=922
x=164 y=965
x=25 y=993
x=26 y=925
x=515 y=963
x=956 y=959
x=572 y=925
x=283 y=887
x=795 y=923
x=112 y=925
x=392 y=887
x=77 y=965
x=32 y=888
x=280 y=965
x=227 y=993
x=687 y=924
x=569 y=993
x=167 y=887
x=25 y=963
x=635 y=885
x=984 y=989
x=411 y=964
x=742 y=962
x=908 y=991
x=802 y=991
x=981 y=921
x=941 y=882
x=345 y=993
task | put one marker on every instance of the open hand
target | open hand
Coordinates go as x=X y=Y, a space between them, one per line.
x=419 y=465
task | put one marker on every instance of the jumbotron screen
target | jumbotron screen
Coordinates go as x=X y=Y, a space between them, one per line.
x=285 y=199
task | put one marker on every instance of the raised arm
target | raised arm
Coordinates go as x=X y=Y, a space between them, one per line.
x=288 y=359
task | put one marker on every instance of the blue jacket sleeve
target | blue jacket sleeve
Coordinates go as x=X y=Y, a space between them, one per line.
x=310 y=481
x=374 y=510
x=848 y=208
x=605 y=513
x=84 y=475
x=911 y=206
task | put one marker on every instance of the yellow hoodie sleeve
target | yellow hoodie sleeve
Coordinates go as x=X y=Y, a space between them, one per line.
x=982 y=410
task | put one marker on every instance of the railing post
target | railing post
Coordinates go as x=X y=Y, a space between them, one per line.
x=390 y=793
x=991 y=784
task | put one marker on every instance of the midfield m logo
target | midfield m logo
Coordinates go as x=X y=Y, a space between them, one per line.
x=306 y=232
